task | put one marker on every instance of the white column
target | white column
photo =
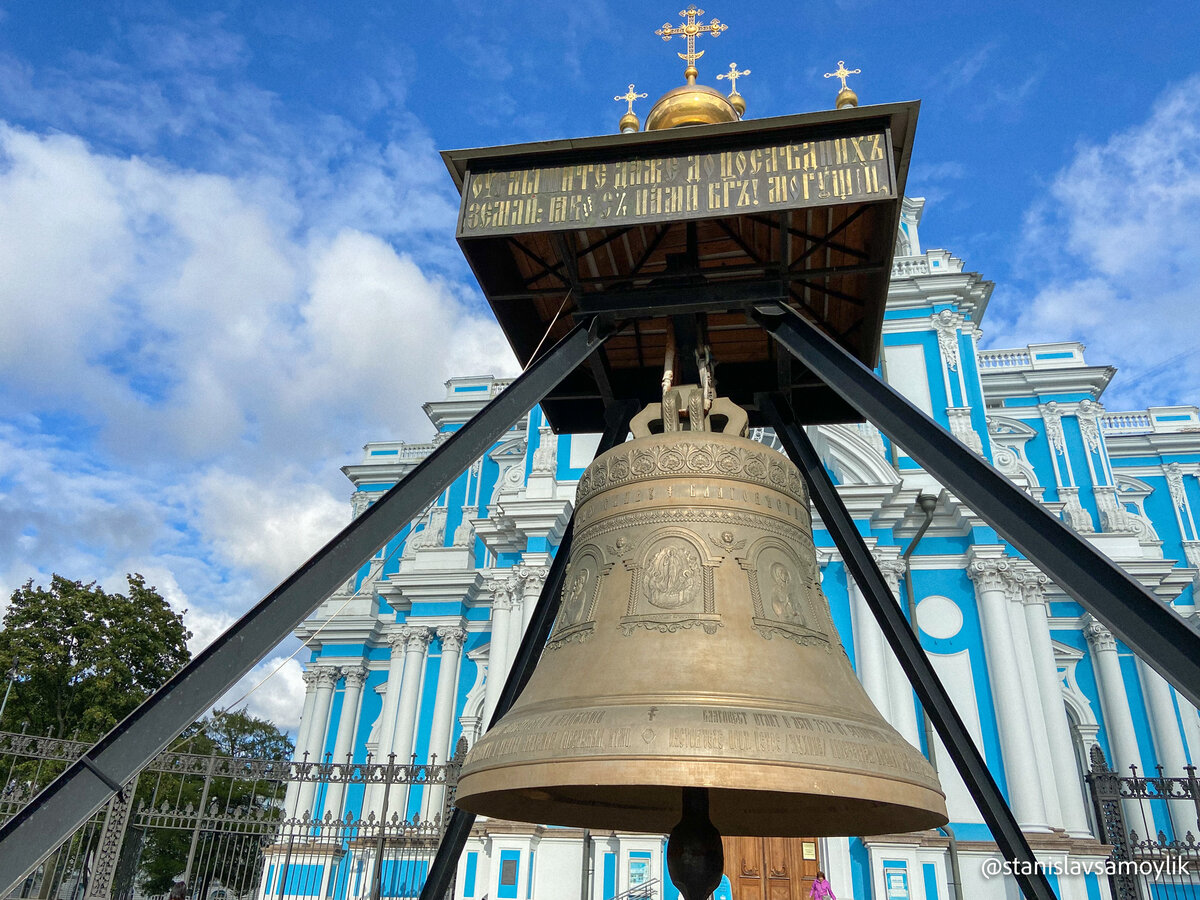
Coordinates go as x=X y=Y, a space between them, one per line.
x=903 y=712
x=302 y=734
x=1168 y=744
x=993 y=579
x=869 y=651
x=442 y=728
x=1114 y=701
x=327 y=677
x=516 y=627
x=1058 y=730
x=397 y=640
x=497 y=648
x=404 y=737
x=355 y=677
x=1035 y=715
x=532 y=578
x=415 y=649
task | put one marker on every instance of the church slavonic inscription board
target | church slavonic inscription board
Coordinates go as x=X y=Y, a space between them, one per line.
x=656 y=188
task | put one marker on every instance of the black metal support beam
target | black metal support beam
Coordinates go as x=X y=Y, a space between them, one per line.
x=80 y=790
x=1145 y=624
x=903 y=640
x=458 y=829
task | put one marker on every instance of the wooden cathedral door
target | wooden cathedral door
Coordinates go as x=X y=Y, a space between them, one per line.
x=771 y=868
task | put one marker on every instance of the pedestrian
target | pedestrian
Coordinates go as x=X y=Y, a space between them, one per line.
x=821 y=889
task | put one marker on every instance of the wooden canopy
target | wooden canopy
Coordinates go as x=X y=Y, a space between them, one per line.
x=654 y=228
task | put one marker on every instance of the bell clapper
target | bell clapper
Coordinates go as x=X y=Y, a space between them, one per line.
x=695 y=855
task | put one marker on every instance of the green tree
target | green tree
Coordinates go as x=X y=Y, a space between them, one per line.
x=86 y=658
x=229 y=855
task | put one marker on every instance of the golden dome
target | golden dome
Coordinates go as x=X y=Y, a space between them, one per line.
x=629 y=122
x=738 y=102
x=846 y=97
x=691 y=104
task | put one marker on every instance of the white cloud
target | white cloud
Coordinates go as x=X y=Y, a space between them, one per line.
x=272 y=690
x=1116 y=246
x=266 y=528
x=183 y=368
x=190 y=349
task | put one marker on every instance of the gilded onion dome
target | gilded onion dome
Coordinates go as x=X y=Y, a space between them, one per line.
x=691 y=104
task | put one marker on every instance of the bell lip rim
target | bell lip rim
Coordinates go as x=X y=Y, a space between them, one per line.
x=914 y=796
x=775 y=823
x=709 y=766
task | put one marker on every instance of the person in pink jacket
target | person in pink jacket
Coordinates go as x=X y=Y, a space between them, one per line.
x=821 y=889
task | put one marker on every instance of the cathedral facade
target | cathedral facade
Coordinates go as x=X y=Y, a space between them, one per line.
x=408 y=658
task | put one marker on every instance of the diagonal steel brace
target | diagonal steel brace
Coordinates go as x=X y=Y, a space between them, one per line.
x=1145 y=624
x=896 y=628
x=67 y=802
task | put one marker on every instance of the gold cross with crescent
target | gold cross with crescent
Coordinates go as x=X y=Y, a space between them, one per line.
x=842 y=72
x=689 y=30
x=733 y=75
x=630 y=96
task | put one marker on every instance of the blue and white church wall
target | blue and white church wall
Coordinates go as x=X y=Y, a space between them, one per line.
x=407 y=658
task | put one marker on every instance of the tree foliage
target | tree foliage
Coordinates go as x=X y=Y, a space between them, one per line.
x=237 y=864
x=86 y=658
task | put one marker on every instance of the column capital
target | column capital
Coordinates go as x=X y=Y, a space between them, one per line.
x=1031 y=587
x=326 y=676
x=503 y=589
x=419 y=638
x=530 y=577
x=991 y=573
x=310 y=676
x=502 y=602
x=452 y=637
x=891 y=566
x=355 y=675
x=1098 y=637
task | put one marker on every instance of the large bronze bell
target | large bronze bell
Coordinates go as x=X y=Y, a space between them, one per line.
x=694 y=649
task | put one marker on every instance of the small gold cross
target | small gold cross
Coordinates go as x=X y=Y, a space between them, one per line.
x=630 y=96
x=689 y=30
x=733 y=75
x=842 y=72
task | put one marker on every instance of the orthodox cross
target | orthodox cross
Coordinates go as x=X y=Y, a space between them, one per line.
x=733 y=75
x=630 y=96
x=689 y=30
x=842 y=72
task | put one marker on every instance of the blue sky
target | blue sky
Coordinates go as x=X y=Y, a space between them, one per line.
x=226 y=239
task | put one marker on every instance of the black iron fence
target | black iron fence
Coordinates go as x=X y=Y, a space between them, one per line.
x=234 y=828
x=1152 y=824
